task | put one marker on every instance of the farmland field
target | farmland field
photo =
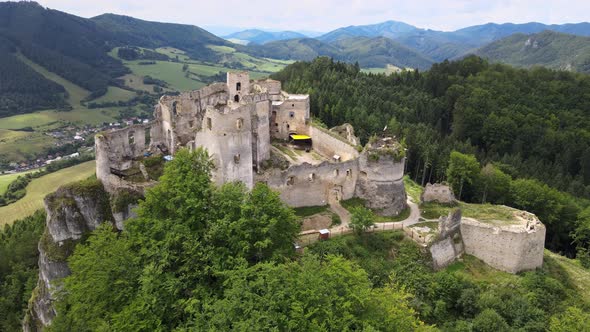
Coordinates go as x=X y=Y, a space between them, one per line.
x=39 y=188
x=6 y=179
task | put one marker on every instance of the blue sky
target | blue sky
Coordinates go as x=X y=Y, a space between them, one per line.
x=326 y=15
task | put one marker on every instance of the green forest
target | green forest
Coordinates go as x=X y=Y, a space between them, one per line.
x=204 y=258
x=521 y=137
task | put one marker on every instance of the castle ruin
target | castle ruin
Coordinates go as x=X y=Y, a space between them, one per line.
x=255 y=132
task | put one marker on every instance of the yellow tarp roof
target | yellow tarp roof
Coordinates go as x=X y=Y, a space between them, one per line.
x=300 y=137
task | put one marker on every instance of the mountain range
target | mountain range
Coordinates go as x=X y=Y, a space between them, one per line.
x=433 y=45
x=77 y=48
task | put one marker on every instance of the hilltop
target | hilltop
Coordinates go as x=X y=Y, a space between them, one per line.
x=549 y=49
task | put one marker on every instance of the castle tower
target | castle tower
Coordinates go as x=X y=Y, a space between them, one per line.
x=238 y=84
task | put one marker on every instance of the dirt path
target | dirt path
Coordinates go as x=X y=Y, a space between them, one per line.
x=344 y=215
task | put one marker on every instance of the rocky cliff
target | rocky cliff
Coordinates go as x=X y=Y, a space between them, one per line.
x=72 y=212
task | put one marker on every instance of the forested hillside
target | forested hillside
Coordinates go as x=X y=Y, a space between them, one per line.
x=72 y=47
x=23 y=90
x=18 y=268
x=368 y=52
x=550 y=49
x=526 y=124
x=127 y=30
x=200 y=257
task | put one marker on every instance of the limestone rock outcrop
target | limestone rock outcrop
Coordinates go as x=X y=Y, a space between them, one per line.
x=72 y=212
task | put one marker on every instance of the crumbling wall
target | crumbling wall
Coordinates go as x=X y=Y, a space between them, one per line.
x=347 y=131
x=182 y=115
x=380 y=183
x=227 y=135
x=260 y=133
x=290 y=116
x=272 y=87
x=238 y=84
x=440 y=193
x=329 y=145
x=311 y=185
x=510 y=248
x=448 y=245
x=116 y=150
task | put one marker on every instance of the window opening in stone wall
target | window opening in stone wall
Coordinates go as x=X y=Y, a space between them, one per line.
x=238 y=86
x=349 y=172
x=174 y=111
x=237 y=158
x=131 y=137
x=148 y=136
x=291 y=114
x=290 y=180
x=312 y=177
x=239 y=123
x=336 y=172
x=237 y=98
x=292 y=105
x=209 y=124
x=191 y=123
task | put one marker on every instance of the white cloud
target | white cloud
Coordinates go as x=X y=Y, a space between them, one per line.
x=329 y=14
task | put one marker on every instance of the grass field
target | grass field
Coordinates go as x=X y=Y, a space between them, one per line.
x=387 y=70
x=75 y=92
x=39 y=188
x=568 y=271
x=6 y=179
x=115 y=94
x=19 y=146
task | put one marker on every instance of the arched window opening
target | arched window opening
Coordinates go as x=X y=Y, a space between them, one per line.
x=174 y=106
x=148 y=136
x=312 y=177
x=131 y=137
x=238 y=86
x=237 y=158
x=348 y=172
x=239 y=124
x=209 y=123
x=291 y=114
x=237 y=98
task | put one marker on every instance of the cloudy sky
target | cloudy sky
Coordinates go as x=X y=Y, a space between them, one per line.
x=325 y=15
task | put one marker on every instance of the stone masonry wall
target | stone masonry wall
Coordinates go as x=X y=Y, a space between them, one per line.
x=309 y=185
x=329 y=145
x=507 y=248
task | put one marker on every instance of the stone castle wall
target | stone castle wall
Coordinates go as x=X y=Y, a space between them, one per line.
x=329 y=145
x=311 y=185
x=508 y=248
x=381 y=184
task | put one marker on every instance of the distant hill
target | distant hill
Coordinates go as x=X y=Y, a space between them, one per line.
x=70 y=46
x=486 y=33
x=256 y=36
x=295 y=49
x=441 y=45
x=379 y=52
x=368 y=52
x=389 y=29
x=548 y=48
x=127 y=30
